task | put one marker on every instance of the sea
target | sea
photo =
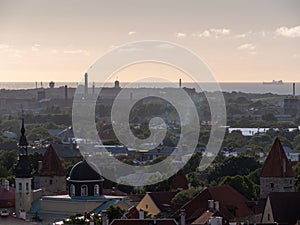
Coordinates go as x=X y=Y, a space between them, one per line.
x=254 y=87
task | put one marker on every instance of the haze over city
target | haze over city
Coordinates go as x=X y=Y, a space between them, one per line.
x=241 y=41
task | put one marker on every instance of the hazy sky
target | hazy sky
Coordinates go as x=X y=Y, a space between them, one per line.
x=43 y=40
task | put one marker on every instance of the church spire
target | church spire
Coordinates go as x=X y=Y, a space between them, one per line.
x=23 y=140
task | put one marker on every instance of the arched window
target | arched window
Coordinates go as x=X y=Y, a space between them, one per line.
x=84 y=190
x=72 y=190
x=96 y=190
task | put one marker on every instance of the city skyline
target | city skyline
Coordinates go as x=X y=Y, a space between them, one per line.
x=239 y=41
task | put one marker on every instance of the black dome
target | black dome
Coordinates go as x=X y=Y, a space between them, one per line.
x=84 y=171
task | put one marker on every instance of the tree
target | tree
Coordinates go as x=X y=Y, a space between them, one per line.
x=186 y=195
x=114 y=212
x=242 y=184
x=231 y=166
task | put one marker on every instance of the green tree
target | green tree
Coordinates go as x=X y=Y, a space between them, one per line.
x=242 y=184
x=114 y=212
x=186 y=195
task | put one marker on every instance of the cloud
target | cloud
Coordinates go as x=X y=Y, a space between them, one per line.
x=220 y=31
x=247 y=47
x=35 y=47
x=75 y=51
x=129 y=49
x=11 y=51
x=240 y=36
x=213 y=32
x=131 y=32
x=180 y=35
x=165 y=46
x=292 y=32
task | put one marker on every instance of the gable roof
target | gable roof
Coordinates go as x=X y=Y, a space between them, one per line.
x=275 y=163
x=51 y=165
x=285 y=207
x=163 y=200
x=231 y=203
x=180 y=181
x=144 y=222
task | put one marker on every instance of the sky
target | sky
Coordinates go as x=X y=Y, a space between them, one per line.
x=240 y=41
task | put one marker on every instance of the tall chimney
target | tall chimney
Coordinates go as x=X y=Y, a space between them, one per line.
x=180 y=83
x=66 y=92
x=217 y=206
x=104 y=218
x=210 y=204
x=141 y=214
x=294 y=90
x=182 y=216
x=86 y=84
x=93 y=88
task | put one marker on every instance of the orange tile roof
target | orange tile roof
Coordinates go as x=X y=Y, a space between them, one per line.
x=51 y=165
x=273 y=166
x=232 y=203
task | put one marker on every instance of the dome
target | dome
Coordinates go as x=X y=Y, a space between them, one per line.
x=84 y=171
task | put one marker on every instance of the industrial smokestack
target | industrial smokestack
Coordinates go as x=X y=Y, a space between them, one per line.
x=180 y=83
x=93 y=88
x=294 y=90
x=86 y=85
x=66 y=92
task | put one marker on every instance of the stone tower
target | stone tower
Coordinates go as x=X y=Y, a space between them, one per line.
x=23 y=177
x=52 y=176
x=277 y=174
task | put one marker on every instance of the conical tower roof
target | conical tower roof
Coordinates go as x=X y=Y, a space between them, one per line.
x=277 y=163
x=51 y=165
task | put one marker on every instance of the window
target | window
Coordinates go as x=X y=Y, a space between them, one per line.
x=50 y=182
x=269 y=217
x=27 y=186
x=84 y=190
x=146 y=206
x=96 y=190
x=272 y=185
x=20 y=186
x=72 y=190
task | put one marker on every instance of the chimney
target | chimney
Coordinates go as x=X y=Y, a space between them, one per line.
x=283 y=167
x=141 y=214
x=86 y=84
x=93 y=88
x=210 y=204
x=217 y=206
x=66 y=92
x=294 y=90
x=180 y=83
x=104 y=218
x=182 y=216
x=6 y=185
x=40 y=163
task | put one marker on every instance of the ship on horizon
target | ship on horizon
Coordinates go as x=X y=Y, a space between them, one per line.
x=276 y=82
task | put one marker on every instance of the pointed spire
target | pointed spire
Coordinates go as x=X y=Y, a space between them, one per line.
x=23 y=128
x=23 y=140
x=277 y=163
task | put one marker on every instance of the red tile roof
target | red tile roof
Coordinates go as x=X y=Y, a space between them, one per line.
x=113 y=192
x=132 y=213
x=144 y=222
x=163 y=200
x=7 y=197
x=285 y=207
x=180 y=181
x=51 y=165
x=276 y=160
x=231 y=203
x=203 y=219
